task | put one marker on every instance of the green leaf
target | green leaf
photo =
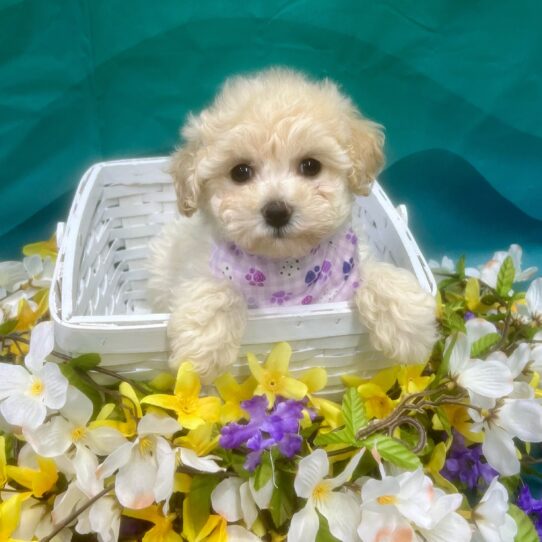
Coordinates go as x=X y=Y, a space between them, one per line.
x=199 y=500
x=342 y=436
x=482 y=345
x=526 y=530
x=393 y=451
x=77 y=380
x=353 y=411
x=86 y=361
x=490 y=299
x=460 y=267
x=505 y=278
x=7 y=327
x=263 y=473
x=283 y=501
x=452 y=320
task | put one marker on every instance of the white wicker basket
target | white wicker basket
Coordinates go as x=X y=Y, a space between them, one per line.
x=98 y=299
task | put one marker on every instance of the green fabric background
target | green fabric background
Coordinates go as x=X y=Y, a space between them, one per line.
x=458 y=85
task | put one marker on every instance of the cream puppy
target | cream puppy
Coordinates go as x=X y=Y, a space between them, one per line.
x=269 y=172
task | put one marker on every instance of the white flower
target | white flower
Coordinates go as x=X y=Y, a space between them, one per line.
x=512 y=418
x=71 y=428
x=236 y=533
x=12 y=275
x=490 y=270
x=477 y=328
x=39 y=270
x=447 y=267
x=339 y=508
x=493 y=524
x=236 y=499
x=400 y=505
x=36 y=523
x=533 y=299
x=27 y=393
x=204 y=464
x=146 y=466
x=489 y=379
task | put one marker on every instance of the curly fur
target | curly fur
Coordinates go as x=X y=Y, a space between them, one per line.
x=272 y=120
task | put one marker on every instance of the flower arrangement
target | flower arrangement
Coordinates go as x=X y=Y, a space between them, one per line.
x=435 y=451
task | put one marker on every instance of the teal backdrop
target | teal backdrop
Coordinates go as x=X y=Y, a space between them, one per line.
x=457 y=84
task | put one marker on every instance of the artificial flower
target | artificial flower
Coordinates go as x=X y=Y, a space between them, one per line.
x=204 y=464
x=162 y=530
x=12 y=275
x=488 y=380
x=531 y=506
x=233 y=394
x=72 y=427
x=131 y=409
x=493 y=523
x=43 y=249
x=273 y=378
x=26 y=393
x=339 y=508
x=146 y=466
x=410 y=503
x=235 y=499
x=213 y=530
x=191 y=409
x=490 y=270
x=277 y=428
x=410 y=378
x=202 y=439
x=39 y=480
x=10 y=515
x=511 y=418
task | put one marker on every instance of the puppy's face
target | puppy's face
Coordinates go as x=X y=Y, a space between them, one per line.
x=274 y=162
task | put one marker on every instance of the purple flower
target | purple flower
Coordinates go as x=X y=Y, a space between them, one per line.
x=278 y=427
x=465 y=464
x=469 y=316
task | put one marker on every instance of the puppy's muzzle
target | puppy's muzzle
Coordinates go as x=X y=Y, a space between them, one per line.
x=277 y=213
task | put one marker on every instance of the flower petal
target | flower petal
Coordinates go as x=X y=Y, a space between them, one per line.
x=533 y=297
x=487 y=378
x=165 y=476
x=522 y=418
x=311 y=470
x=42 y=342
x=236 y=533
x=23 y=411
x=460 y=354
x=188 y=382
x=304 y=525
x=519 y=359
x=346 y=474
x=55 y=385
x=51 y=439
x=279 y=358
x=451 y=527
x=134 y=484
x=226 y=499
x=478 y=328
x=85 y=464
x=103 y=440
x=258 y=372
x=315 y=379
x=13 y=378
x=116 y=460
x=262 y=496
x=153 y=424
x=77 y=408
x=292 y=388
x=500 y=452
x=203 y=464
x=343 y=515
x=248 y=507
x=104 y=519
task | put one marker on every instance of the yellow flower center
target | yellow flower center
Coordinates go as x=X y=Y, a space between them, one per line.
x=188 y=405
x=146 y=446
x=321 y=491
x=37 y=387
x=386 y=499
x=78 y=433
x=272 y=381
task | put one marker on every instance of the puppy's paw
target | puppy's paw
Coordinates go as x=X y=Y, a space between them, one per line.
x=206 y=326
x=398 y=314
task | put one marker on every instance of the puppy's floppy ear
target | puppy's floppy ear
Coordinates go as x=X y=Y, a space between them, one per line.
x=366 y=151
x=185 y=179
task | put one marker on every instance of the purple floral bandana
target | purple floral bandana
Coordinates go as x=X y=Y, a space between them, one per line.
x=328 y=274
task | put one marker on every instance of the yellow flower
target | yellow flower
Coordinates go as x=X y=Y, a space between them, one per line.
x=213 y=530
x=163 y=525
x=410 y=379
x=316 y=379
x=377 y=403
x=459 y=419
x=3 y=476
x=10 y=515
x=131 y=408
x=201 y=439
x=273 y=378
x=42 y=248
x=472 y=293
x=233 y=394
x=40 y=480
x=191 y=409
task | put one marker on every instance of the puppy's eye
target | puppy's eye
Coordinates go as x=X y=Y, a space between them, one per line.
x=309 y=167
x=241 y=173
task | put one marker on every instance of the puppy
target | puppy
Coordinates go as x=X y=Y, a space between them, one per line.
x=265 y=182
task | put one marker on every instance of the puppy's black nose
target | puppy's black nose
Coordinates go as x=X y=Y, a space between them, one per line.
x=277 y=213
